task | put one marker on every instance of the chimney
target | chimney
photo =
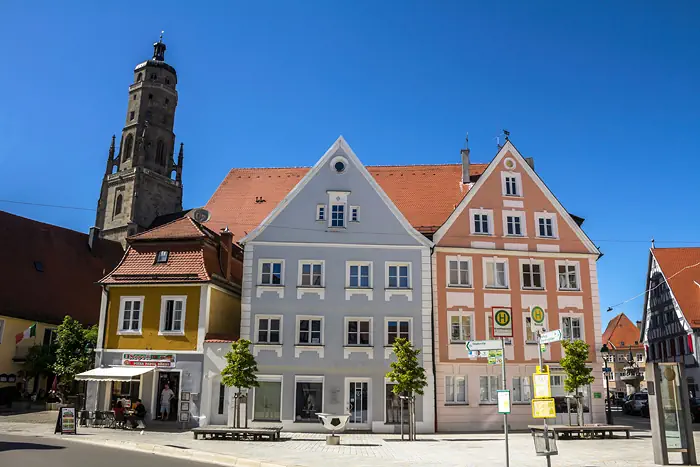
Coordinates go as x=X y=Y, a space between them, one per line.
x=465 y=165
x=225 y=246
x=639 y=324
x=93 y=236
x=531 y=162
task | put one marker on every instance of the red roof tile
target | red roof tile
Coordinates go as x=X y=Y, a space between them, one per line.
x=681 y=268
x=621 y=333
x=181 y=229
x=67 y=285
x=425 y=194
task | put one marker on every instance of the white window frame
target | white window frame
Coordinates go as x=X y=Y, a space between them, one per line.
x=309 y=379
x=354 y=214
x=577 y=267
x=261 y=262
x=526 y=328
x=390 y=264
x=523 y=223
x=620 y=358
x=347 y=330
x=495 y=260
x=297 y=337
x=163 y=303
x=639 y=354
x=531 y=262
x=553 y=381
x=521 y=380
x=470 y=275
x=518 y=184
x=130 y=331
x=321 y=212
x=338 y=198
x=546 y=215
x=343 y=217
x=489 y=223
x=312 y=263
x=492 y=395
x=398 y=320
x=581 y=326
x=451 y=381
x=359 y=264
x=258 y=318
x=461 y=315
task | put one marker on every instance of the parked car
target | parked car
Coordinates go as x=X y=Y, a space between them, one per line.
x=634 y=402
x=618 y=398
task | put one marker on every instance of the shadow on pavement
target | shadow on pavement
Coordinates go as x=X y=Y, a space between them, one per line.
x=20 y=446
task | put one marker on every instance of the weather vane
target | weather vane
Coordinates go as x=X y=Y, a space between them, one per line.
x=161 y=35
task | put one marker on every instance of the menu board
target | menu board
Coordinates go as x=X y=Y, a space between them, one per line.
x=66 y=421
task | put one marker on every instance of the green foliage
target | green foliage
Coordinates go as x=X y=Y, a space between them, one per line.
x=406 y=371
x=40 y=360
x=74 y=351
x=574 y=364
x=241 y=366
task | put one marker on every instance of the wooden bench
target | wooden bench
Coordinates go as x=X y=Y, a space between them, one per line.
x=226 y=432
x=566 y=431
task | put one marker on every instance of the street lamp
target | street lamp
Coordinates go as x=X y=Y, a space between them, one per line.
x=608 y=413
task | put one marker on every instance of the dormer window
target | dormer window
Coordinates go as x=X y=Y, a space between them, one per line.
x=321 y=212
x=338 y=215
x=354 y=214
x=338 y=202
x=162 y=256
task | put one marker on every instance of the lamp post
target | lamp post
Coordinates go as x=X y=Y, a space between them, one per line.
x=608 y=413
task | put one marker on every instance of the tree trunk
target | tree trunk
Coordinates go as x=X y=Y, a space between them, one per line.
x=579 y=409
x=238 y=409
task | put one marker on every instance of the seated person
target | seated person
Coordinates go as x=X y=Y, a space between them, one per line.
x=139 y=415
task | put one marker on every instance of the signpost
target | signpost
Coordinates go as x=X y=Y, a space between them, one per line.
x=543 y=404
x=484 y=345
x=503 y=398
x=550 y=337
x=502 y=322
x=537 y=319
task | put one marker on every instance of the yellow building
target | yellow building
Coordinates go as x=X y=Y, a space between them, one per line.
x=177 y=285
x=45 y=268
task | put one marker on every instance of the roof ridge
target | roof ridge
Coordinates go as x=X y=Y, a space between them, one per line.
x=368 y=166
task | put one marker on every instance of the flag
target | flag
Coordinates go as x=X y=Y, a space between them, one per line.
x=29 y=332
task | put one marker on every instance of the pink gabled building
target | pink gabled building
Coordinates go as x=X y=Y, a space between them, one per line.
x=510 y=243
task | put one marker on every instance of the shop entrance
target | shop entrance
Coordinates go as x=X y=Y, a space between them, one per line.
x=172 y=380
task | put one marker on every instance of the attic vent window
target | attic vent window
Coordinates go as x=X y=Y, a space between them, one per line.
x=339 y=164
x=39 y=266
x=162 y=256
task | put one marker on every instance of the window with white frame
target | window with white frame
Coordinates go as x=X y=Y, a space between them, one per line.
x=172 y=314
x=511 y=184
x=311 y=273
x=621 y=358
x=546 y=224
x=359 y=275
x=571 y=328
x=269 y=329
x=271 y=272
x=640 y=356
x=459 y=271
x=461 y=328
x=522 y=391
x=481 y=221
x=398 y=276
x=488 y=387
x=358 y=332
x=455 y=389
x=609 y=376
x=530 y=336
x=496 y=272
x=310 y=330
x=397 y=328
x=337 y=215
x=354 y=213
x=532 y=275
x=568 y=276
x=556 y=381
x=130 y=314
x=514 y=223
x=321 y=212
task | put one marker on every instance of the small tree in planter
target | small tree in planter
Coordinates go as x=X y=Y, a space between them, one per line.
x=240 y=373
x=409 y=377
x=578 y=374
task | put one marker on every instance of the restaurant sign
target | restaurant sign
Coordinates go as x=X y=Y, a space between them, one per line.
x=162 y=360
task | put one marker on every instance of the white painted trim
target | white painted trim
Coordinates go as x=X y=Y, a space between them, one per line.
x=460 y=314
x=495 y=260
x=398 y=319
x=577 y=265
x=311 y=262
x=278 y=289
x=470 y=274
x=124 y=332
x=523 y=223
x=123 y=351
x=484 y=245
x=481 y=251
x=489 y=223
x=339 y=147
x=511 y=203
x=518 y=184
x=203 y=321
x=370 y=399
x=552 y=248
x=246 y=291
x=257 y=329
x=318 y=212
x=359 y=263
x=104 y=302
x=582 y=324
x=547 y=215
x=320 y=350
x=338 y=245
x=531 y=261
x=346 y=330
x=388 y=264
x=515 y=246
x=447 y=403
x=267 y=379
x=508 y=147
x=272 y=261
x=298 y=329
x=309 y=379
x=352 y=211
x=174 y=298
x=277 y=348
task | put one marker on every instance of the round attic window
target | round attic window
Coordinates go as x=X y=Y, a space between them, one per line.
x=509 y=163
x=339 y=164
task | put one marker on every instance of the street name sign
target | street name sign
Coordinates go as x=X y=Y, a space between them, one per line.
x=484 y=345
x=537 y=319
x=502 y=322
x=550 y=336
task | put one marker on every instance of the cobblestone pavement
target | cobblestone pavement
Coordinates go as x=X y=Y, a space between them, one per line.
x=359 y=450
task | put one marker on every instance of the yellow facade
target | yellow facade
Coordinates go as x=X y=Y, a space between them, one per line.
x=149 y=339
x=224 y=313
x=8 y=349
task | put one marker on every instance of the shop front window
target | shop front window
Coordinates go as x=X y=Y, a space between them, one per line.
x=394 y=406
x=267 y=401
x=309 y=401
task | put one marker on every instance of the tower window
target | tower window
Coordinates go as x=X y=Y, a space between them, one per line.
x=118 y=205
x=134 y=96
x=154 y=76
x=167 y=101
x=160 y=153
x=128 y=144
x=139 y=78
x=131 y=115
x=150 y=97
x=167 y=81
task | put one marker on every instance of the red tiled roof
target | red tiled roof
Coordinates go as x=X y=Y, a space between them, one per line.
x=683 y=282
x=180 y=229
x=425 y=194
x=67 y=285
x=621 y=333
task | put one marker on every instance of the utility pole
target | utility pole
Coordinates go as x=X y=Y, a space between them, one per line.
x=504 y=387
x=544 y=420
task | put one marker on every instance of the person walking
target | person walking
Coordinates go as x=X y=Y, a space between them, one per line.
x=165 y=397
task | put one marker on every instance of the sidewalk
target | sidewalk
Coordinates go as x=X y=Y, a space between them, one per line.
x=359 y=450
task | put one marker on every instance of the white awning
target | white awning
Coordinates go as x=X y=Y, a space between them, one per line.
x=114 y=373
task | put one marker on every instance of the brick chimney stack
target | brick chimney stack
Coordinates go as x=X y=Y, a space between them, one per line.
x=225 y=247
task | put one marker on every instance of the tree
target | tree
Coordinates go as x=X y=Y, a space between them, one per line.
x=578 y=374
x=40 y=361
x=240 y=372
x=74 y=346
x=409 y=377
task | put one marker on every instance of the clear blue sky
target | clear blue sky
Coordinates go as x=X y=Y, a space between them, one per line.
x=604 y=96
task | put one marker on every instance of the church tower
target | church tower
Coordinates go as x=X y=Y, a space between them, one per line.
x=142 y=180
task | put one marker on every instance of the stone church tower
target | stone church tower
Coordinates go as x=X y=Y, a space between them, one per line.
x=142 y=180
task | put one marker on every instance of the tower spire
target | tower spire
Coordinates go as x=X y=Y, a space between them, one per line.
x=180 y=158
x=159 y=49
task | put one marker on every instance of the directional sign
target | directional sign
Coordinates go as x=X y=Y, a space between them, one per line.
x=607 y=370
x=550 y=336
x=543 y=408
x=484 y=345
x=502 y=322
x=537 y=319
